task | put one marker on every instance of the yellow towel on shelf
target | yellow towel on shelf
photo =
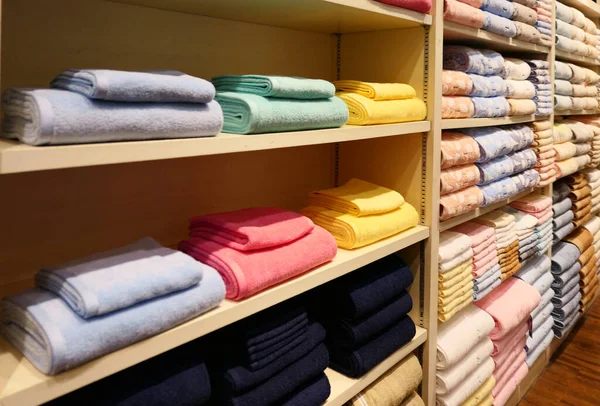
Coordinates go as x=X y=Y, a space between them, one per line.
x=457 y=280
x=396 y=385
x=358 y=198
x=456 y=302
x=445 y=300
x=377 y=91
x=443 y=317
x=365 y=111
x=353 y=232
x=457 y=270
x=482 y=393
x=488 y=401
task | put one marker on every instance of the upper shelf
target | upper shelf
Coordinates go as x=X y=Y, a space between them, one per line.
x=328 y=16
x=450 y=123
x=21 y=384
x=576 y=59
x=462 y=33
x=16 y=157
x=589 y=8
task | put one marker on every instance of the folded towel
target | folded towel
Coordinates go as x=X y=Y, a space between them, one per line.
x=358 y=198
x=486 y=107
x=70 y=341
x=520 y=107
x=114 y=85
x=456 y=271
x=479 y=234
x=364 y=111
x=452 y=244
x=495 y=169
x=247 y=113
x=502 y=397
x=445 y=314
x=248 y=272
x=483 y=293
x=357 y=362
x=524 y=14
x=469 y=386
x=54 y=117
x=448 y=379
x=422 y=6
x=463 y=201
x=315 y=392
x=498 y=190
x=284 y=87
x=455 y=83
x=539 y=349
x=563 y=219
x=483 y=395
x=581 y=238
x=469 y=60
x=458 y=149
x=493 y=141
x=353 y=232
x=376 y=91
x=534 y=269
x=504 y=373
x=519 y=89
x=488 y=86
x=499 y=25
x=500 y=8
x=539 y=333
x=526 y=32
x=457 y=107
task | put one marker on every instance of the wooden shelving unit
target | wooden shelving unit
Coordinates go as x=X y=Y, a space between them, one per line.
x=576 y=59
x=451 y=123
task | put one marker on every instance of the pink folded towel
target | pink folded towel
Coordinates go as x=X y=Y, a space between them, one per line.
x=248 y=272
x=457 y=107
x=502 y=397
x=463 y=201
x=455 y=83
x=251 y=229
x=500 y=358
x=510 y=340
x=484 y=268
x=458 y=149
x=532 y=203
x=490 y=257
x=479 y=248
x=509 y=305
x=485 y=252
x=509 y=369
x=463 y=14
x=422 y=6
x=478 y=233
x=458 y=178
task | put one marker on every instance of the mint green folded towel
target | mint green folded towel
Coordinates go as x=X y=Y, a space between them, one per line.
x=285 y=87
x=250 y=114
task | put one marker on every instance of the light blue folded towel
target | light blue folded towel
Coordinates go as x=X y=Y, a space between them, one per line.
x=54 y=117
x=117 y=85
x=484 y=284
x=561 y=207
x=534 y=269
x=251 y=114
x=285 y=87
x=486 y=107
x=500 y=8
x=483 y=293
x=534 y=354
x=119 y=278
x=499 y=25
x=54 y=339
x=487 y=86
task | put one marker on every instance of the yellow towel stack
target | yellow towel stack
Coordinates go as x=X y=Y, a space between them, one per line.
x=360 y=213
x=380 y=103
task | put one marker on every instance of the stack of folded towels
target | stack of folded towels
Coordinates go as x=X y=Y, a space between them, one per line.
x=398 y=386
x=563 y=216
x=520 y=92
x=575 y=88
x=151 y=289
x=459 y=175
x=575 y=33
x=380 y=103
x=524 y=225
x=563 y=88
x=133 y=106
x=360 y=213
x=592 y=175
x=365 y=314
x=589 y=276
x=463 y=362
x=493 y=16
x=262 y=104
x=539 y=207
x=472 y=86
x=537 y=274
x=540 y=78
x=277 y=356
x=583 y=239
x=254 y=249
x=455 y=279
x=581 y=198
x=593 y=123
x=486 y=269
x=510 y=306
x=542 y=146
x=566 y=268
x=507 y=242
x=572 y=143
x=543 y=8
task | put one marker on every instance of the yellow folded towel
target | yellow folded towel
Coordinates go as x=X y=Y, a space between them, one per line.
x=358 y=198
x=443 y=317
x=457 y=270
x=456 y=302
x=396 y=385
x=488 y=401
x=444 y=301
x=457 y=280
x=353 y=232
x=377 y=91
x=365 y=111
x=482 y=393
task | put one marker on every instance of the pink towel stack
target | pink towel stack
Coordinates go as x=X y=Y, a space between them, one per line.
x=542 y=146
x=256 y=248
x=510 y=305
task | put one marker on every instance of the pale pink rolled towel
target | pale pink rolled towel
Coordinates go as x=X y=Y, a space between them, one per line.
x=532 y=203
x=457 y=107
x=511 y=385
x=500 y=358
x=248 y=272
x=509 y=305
x=502 y=379
x=463 y=14
x=509 y=340
x=458 y=149
x=455 y=83
x=460 y=202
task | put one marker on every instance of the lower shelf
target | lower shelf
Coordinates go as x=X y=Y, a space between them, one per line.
x=577 y=59
x=450 y=123
x=575 y=112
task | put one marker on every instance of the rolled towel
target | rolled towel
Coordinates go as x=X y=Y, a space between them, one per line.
x=499 y=25
x=500 y=8
x=247 y=113
x=487 y=107
x=458 y=149
x=488 y=86
x=519 y=89
x=524 y=14
x=469 y=60
x=463 y=201
x=284 y=87
x=377 y=91
x=526 y=32
x=364 y=111
x=62 y=117
x=565 y=150
x=463 y=14
x=455 y=83
x=248 y=272
x=70 y=340
x=515 y=69
x=457 y=107
x=562 y=71
x=563 y=87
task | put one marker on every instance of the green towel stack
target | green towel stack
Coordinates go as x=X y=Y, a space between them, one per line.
x=261 y=104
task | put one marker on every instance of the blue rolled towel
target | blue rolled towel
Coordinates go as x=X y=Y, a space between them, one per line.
x=487 y=107
x=284 y=87
x=313 y=394
x=564 y=255
x=124 y=86
x=350 y=333
x=235 y=377
x=487 y=86
x=54 y=339
x=253 y=114
x=357 y=362
x=499 y=25
x=119 y=278
x=55 y=117
x=500 y=8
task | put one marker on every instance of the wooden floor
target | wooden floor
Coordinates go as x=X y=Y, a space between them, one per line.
x=573 y=375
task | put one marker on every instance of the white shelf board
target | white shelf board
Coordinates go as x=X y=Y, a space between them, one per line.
x=575 y=112
x=474 y=36
x=21 y=384
x=589 y=8
x=344 y=388
x=328 y=16
x=454 y=221
x=450 y=123
x=577 y=59
x=17 y=157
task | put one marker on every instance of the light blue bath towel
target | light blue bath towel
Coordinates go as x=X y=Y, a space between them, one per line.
x=116 y=85
x=119 y=278
x=285 y=87
x=54 y=117
x=50 y=335
x=252 y=114
x=534 y=269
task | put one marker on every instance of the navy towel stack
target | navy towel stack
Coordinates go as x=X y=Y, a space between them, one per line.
x=274 y=357
x=365 y=315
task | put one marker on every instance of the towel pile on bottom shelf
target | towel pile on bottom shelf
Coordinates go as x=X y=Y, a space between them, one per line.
x=455 y=281
x=507 y=242
x=542 y=146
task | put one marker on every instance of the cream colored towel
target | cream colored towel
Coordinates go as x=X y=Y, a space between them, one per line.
x=448 y=379
x=452 y=244
x=456 y=260
x=482 y=394
x=497 y=219
x=469 y=386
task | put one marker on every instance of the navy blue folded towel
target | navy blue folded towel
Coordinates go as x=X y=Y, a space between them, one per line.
x=313 y=394
x=350 y=333
x=357 y=362
x=269 y=324
x=560 y=190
